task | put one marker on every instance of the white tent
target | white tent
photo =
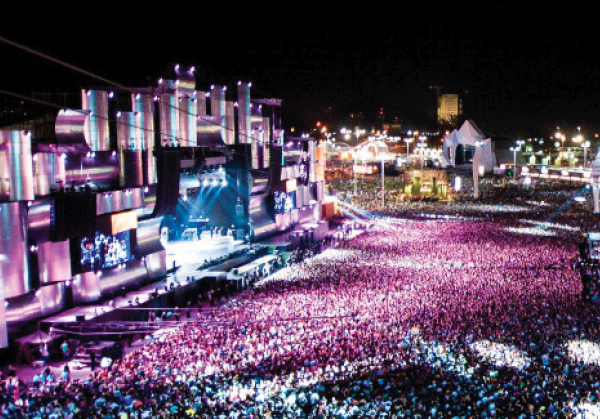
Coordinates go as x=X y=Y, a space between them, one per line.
x=471 y=136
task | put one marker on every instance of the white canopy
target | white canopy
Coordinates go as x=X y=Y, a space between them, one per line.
x=468 y=135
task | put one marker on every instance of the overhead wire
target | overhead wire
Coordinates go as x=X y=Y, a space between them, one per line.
x=112 y=83
x=58 y=106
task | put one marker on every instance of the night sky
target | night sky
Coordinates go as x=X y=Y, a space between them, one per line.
x=522 y=70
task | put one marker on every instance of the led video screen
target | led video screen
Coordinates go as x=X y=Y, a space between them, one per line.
x=284 y=202
x=105 y=251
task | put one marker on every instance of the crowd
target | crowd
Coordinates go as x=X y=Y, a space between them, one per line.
x=411 y=319
x=500 y=198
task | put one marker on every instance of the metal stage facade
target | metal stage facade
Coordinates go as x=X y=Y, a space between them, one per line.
x=106 y=201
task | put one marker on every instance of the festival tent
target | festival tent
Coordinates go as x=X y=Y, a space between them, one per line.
x=468 y=135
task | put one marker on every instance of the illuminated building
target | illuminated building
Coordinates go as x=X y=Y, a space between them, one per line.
x=449 y=108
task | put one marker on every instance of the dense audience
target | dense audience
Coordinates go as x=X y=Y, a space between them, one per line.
x=410 y=319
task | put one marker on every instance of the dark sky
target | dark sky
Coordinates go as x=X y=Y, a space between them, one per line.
x=522 y=69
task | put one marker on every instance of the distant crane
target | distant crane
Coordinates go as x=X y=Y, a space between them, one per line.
x=437 y=94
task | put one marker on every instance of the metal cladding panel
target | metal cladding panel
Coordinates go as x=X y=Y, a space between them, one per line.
x=107 y=202
x=283 y=221
x=4 y=171
x=202 y=105
x=278 y=135
x=71 y=126
x=13 y=248
x=299 y=196
x=266 y=156
x=144 y=105
x=117 y=278
x=307 y=196
x=149 y=162
x=318 y=213
x=255 y=153
x=148 y=236
x=20 y=161
x=3 y=326
x=295 y=216
x=317 y=190
x=133 y=198
x=38 y=221
x=97 y=127
x=312 y=159
x=86 y=288
x=101 y=168
x=244 y=113
x=52 y=298
x=119 y=200
x=60 y=170
x=266 y=135
x=305 y=214
x=128 y=131
x=189 y=181
x=156 y=264
x=183 y=114
x=24 y=308
x=229 y=133
x=188 y=112
x=43 y=170
x=132 y=168
x=217 y=100
x=186 y=81
x=54 y=261
x=261 y=216
x=149 y=202
x=302 y=196
x=256 y=121
x=210 y=130
x=169 y=119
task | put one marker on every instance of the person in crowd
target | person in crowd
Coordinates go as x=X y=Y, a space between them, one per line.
x=443 y=318
x=64 y=347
